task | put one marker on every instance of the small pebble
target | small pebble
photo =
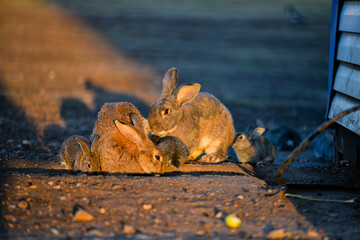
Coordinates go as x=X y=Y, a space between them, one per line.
x=312 y=234
x=96 y=233
x=102 y=210
x=12 y=206
x=219 y=215
x=147 y=206
x=207 y=226
x=81 y=215
x=26 y=144
x=51 y=183
x=277 y=234
x=23 y=204
x=128 y=229
x=240 y=196
x=54 y=231
x=116 y=187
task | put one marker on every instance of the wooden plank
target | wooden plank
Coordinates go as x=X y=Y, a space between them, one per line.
x=347 y=80
x=350 y=17
x=349 y=48
x=341 y=103
x=334 y=38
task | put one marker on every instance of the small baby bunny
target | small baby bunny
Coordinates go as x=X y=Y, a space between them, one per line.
x=174 y=150
x=254 y=148
x=78 y=154
x=199 y=120
x=324 y=147
x=124 y=145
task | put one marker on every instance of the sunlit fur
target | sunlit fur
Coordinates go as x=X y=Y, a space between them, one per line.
x=203 y=118
x=75 y=157
x=116 y=152
x=253 y=149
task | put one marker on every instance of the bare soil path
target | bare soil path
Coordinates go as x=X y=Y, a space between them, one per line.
x=61 y=60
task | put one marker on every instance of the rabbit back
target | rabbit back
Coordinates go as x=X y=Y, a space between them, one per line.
x=199 y=120
x=253 y=150
x=112 y=144
x=204 y=125
x=116 y=152
x=265 y=150
x=174 y=151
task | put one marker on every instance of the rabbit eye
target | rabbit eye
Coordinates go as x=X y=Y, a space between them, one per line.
x=89 y=165
x=166 y=111
x=157 y=157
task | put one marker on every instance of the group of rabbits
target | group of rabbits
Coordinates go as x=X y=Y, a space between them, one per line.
x=184 y=123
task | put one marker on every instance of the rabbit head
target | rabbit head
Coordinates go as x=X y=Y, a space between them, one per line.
x=174 y=150
x=166 y=113
x=243 y=141
x=149 y=156
x=87 y=159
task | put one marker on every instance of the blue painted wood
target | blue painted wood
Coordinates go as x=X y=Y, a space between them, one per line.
x=350 y=17
x=349 y=48
x=347 y=80
x=341 y=103
x=334 y=38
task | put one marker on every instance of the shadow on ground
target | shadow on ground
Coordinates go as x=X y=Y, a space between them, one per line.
x=14 y=129
x=79 y=118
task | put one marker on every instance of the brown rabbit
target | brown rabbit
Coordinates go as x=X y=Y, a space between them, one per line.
x=78 y=154
x=174 y=150
x=123 y=142
x=254 y=148
x=199 y=120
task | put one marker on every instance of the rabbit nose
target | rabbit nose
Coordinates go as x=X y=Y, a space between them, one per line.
x=154 y=126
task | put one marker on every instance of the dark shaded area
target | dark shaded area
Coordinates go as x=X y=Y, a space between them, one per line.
x=102 y=95
x=80 y=119
x=14 y=129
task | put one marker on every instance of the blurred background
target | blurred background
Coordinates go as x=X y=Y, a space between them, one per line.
x=60 y=60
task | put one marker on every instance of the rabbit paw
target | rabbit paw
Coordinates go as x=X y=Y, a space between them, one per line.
x=210 y=158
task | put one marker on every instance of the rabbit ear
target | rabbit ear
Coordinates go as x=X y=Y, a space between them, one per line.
x=136 y=120
x=140 y=123
x=186 y=93
x=250 y=128
x=84 y=147
x=130 y=132
x=256 y=133
x=169 y=82
x=94 y=143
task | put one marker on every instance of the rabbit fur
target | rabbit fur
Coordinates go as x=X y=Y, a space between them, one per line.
x=199 y=120
x=77 y=153
x=123 y=142
x=253 y=148
x=174 y=150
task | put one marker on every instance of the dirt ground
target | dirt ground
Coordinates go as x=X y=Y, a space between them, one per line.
x=61 y=60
